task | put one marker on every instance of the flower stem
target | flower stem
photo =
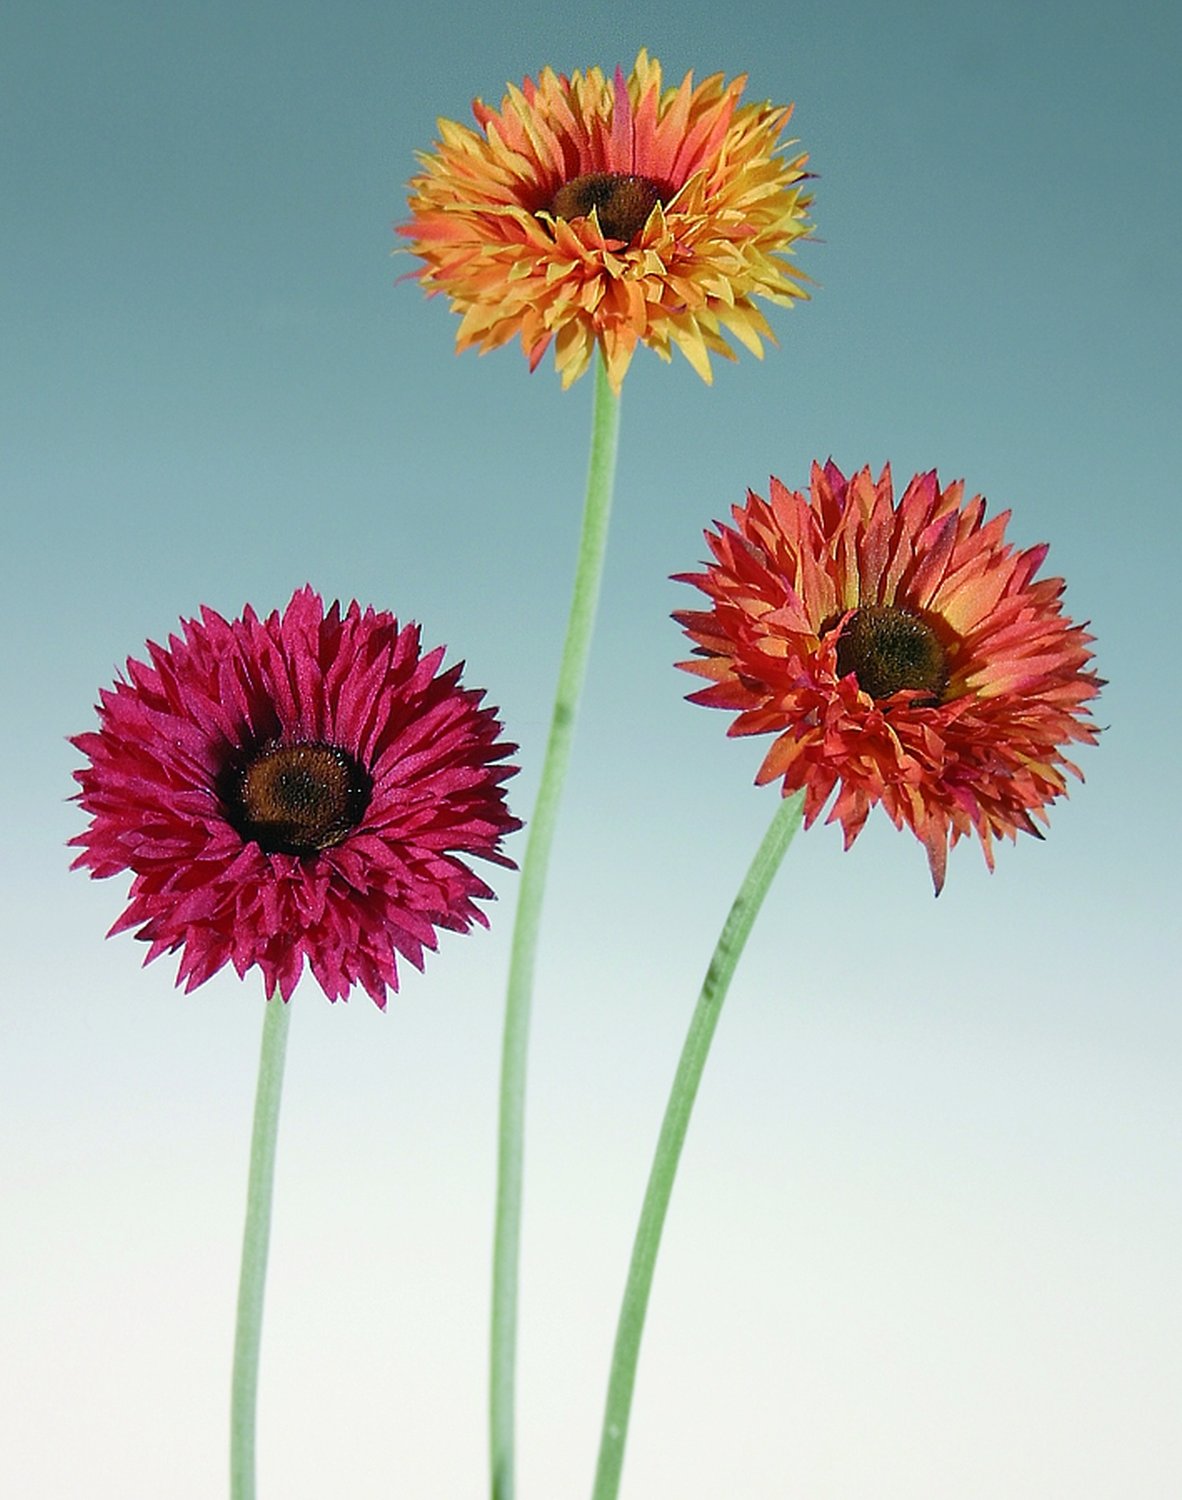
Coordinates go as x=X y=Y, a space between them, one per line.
x=507 y=1233
x=255 y=1240
x=694 y=1052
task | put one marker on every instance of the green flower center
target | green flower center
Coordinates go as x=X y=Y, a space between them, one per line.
x=622 y=200
x=297 y=799
x=888 y=649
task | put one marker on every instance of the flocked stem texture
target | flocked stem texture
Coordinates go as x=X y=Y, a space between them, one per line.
x=694 y=1052
x=255 y=1243
x=531 y=887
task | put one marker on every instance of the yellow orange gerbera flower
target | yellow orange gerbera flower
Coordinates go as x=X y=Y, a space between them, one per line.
x=588 y=211
x=906 y=654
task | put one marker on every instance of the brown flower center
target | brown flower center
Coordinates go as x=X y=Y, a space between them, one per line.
x=297 y=799
x=887 y=649
x=623 y=202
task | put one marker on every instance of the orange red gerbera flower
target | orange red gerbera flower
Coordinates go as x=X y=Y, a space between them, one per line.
x=588 y=211
x=905 y=654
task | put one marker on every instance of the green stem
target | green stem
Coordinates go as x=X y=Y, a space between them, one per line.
x=507 y=1233
x=694 y=1052
x=255 y=1240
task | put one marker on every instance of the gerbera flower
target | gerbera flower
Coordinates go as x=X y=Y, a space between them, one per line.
x=905 y=654
x=589 y=211
x=295 y=788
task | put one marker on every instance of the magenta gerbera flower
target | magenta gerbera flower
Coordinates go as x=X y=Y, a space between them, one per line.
x=303 y=787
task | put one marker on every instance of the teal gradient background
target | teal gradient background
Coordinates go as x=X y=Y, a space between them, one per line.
x=926 y=1235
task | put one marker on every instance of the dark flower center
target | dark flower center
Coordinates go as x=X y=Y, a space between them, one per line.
x=888 y=649
x=623 y=201
x=297 y=799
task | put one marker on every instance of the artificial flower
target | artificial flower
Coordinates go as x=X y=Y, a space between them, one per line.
x=904 y=654
x=305 y=787
x=595 y=212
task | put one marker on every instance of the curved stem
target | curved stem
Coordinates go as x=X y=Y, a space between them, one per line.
x=255 y=1241
x=507 y=1232
x=694 y=1052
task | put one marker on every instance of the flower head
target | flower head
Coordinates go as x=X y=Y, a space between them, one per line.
x=588 y=211
x=299 y=787
x=903 y=653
